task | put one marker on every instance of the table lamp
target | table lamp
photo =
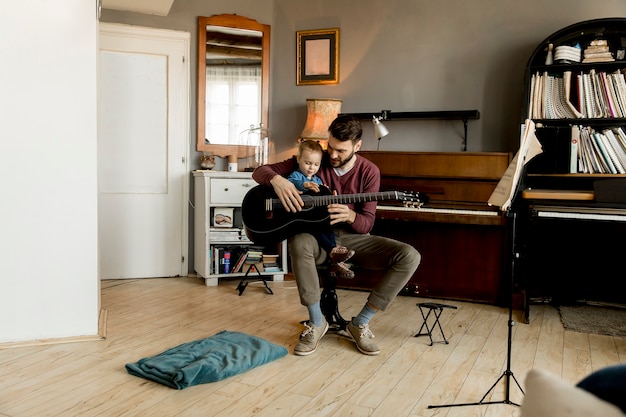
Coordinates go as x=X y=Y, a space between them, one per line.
x=320 y=114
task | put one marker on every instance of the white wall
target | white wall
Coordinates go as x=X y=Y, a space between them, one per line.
x=48 y=135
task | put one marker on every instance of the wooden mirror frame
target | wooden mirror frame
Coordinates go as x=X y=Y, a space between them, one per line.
x=240 y=22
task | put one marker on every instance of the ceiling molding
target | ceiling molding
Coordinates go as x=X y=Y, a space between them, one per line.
x=156 y=7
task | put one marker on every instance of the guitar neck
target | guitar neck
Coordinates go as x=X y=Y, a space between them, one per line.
x=324 y=200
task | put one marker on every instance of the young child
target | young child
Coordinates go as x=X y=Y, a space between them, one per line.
x=309 y=159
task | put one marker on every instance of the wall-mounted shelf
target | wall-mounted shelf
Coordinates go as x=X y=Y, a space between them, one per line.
x=388 y=115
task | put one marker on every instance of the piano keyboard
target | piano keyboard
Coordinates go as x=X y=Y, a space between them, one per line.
x=440 y=210
x=582 y=213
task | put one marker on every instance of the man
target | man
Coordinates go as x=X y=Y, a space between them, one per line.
x=344 y=172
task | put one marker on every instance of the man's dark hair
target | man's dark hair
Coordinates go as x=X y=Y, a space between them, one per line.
x=346 y=127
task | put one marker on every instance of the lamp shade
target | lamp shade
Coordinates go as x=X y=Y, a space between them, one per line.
x=380 y=131
x=320 y=114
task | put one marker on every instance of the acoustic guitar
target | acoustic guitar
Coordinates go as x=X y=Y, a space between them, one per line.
x=266 y=221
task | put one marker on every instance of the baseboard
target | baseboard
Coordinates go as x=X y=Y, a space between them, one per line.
x=102 y=330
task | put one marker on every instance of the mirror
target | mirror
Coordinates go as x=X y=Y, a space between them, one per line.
x=230 y=44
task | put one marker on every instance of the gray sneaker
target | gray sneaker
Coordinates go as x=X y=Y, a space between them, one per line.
x=310 y=338
x=364 y=338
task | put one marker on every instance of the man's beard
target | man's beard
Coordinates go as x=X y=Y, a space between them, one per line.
x=341 y=162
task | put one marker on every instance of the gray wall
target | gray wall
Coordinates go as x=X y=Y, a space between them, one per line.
x=402 y=55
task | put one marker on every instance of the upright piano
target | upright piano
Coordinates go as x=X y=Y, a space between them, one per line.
x=571 y=236
x=462 y=240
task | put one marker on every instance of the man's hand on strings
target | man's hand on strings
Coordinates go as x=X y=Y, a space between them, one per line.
x=340 y=213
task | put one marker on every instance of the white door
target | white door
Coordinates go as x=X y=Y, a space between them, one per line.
x=143 y=137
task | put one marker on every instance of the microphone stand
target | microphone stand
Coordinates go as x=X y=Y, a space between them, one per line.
x=507 y=375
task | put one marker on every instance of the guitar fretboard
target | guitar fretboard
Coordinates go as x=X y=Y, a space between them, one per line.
x=324 y=200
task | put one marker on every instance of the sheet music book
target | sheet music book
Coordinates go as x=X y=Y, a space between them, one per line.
x=573 y=156
x=620 y=153
x=594 y=164
x=606 y=152
x=530 y=147
x=567 y=80
x=531 y=97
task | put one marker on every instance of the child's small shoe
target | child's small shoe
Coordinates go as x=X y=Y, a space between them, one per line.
x=340 y=254
x=341 y=270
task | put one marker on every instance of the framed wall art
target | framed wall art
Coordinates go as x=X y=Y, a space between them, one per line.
x=318 y=56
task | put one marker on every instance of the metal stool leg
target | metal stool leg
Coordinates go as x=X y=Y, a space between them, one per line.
x=330 y=305
x=429 y=331
x=437 y=309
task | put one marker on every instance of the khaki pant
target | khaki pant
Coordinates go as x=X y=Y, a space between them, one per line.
x=396 y=261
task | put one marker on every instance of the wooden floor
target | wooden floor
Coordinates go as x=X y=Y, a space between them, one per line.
x=146 y=317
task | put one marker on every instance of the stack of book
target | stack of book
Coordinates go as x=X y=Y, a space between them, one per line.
x=270 y=263
x=598 y=51
x=254 y=256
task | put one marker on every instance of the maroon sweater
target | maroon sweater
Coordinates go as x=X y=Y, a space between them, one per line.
x=364 y=177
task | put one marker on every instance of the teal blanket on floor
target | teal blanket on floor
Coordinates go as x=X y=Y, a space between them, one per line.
x=207 y=360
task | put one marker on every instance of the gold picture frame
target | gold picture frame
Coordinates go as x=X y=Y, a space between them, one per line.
x=318 y=56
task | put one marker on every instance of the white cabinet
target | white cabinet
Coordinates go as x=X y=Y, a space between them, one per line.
x=221 y=193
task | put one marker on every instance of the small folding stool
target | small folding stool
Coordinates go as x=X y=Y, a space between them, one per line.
x=244 y=283
x=436 y=309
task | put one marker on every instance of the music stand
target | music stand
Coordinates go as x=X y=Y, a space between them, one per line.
x=507 y=374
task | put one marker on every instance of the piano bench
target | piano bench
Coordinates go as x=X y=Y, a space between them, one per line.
x=436 y=309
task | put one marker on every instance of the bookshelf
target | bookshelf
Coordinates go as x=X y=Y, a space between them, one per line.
x=576 y=105
x=565 y=239
x=219 y=232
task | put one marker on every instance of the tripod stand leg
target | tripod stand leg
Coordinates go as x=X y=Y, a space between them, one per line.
x=507 y=374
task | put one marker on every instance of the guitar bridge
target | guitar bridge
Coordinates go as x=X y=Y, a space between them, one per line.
x=269 y=208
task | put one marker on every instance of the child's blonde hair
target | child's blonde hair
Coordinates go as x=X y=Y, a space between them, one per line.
x=312 y=145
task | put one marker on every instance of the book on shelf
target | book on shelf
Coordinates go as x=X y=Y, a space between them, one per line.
x=618 y=153
x=602 y=165
x=584 y=160
x=239 y=262
x=581 y=96
x=567 y=80
x=270 y=257
x=272 y=268
x=606 y=152
x=608 y=95
x=619 y=90
x=225 y=235
x=253 y=267
x=574 y=153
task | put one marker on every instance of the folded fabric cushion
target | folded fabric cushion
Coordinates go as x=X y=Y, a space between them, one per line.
x=207 y=360
x=549 y=396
